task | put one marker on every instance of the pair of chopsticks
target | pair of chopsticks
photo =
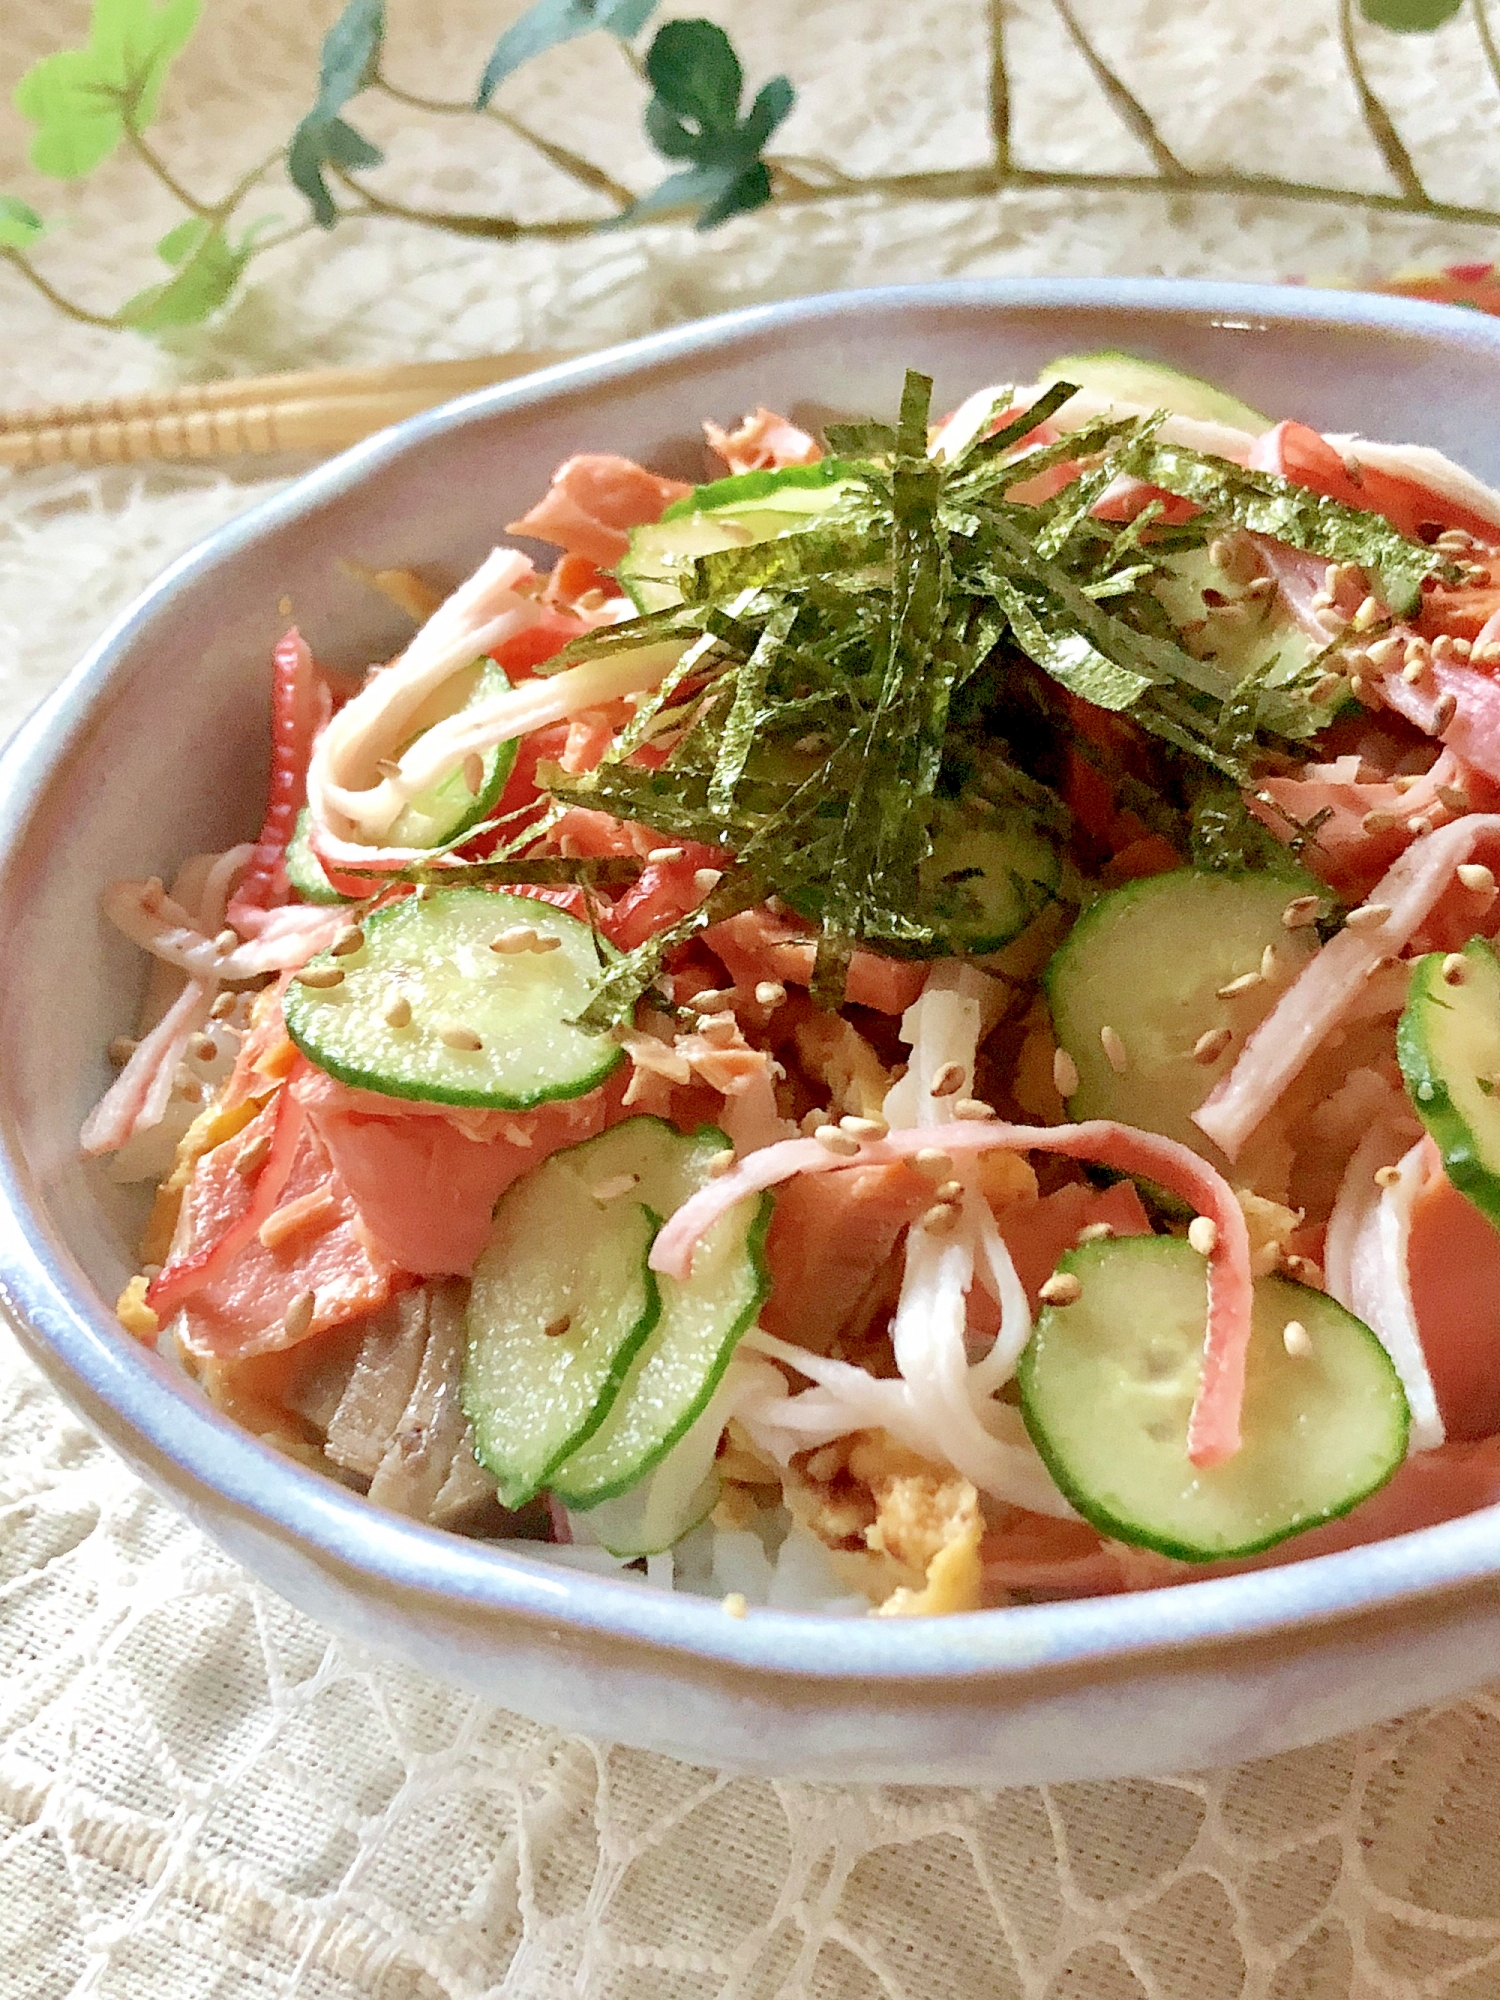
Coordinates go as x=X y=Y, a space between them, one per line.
x=322 y=409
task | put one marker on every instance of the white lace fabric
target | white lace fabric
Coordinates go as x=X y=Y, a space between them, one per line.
x=202 y=1796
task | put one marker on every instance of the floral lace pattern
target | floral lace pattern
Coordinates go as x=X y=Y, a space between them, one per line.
x=204 y=1798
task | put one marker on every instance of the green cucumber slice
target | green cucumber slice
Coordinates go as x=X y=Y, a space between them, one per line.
x=676 y=1371
x=568 y=1242
x=303 y=868
x=436 y=953
x=729 y=513
x=991 y=872
x=1242 y=635
x=1149 y=961
x=553 y=1261
x=448 y=809
x=1107 y=1384
x=1152 y=385
x=1448 y=1044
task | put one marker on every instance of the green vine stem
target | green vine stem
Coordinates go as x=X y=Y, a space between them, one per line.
x=695 y=116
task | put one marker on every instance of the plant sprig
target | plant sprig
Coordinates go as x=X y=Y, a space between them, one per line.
x=87 y=103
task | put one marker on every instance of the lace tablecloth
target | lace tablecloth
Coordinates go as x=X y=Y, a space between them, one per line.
x=201 y=1794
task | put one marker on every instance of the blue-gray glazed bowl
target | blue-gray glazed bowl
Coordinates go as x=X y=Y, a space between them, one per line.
x=155 y=746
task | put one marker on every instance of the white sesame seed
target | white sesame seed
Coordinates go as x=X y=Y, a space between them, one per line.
x=543 y=942
x=949 y=1191
x=1115 y=1053
x=1296 y=1340
x=252 y=1155
x=474 y=773
x=227 y=940
x=1095 y=1232
x=349 y=940
x=720 y=1164
x=733 y=1604
x=1406 y=780
x=188 y=1089
x=1322 y=600
x=1416 y=671
x=1365 y=691
x=1379 y=821
x=720 y=1029
x=663 y=857
x=1487 y=656
x=1418 y=824
x=1474 y=875
x=615 y=1186
x=1444 y=709
x=940 y=1219
x=1270 y=962
x=320 y=976
x=1208 y=1048
x=706 y=880
x=1386 y=652
x=223 y=1007
x=1369 y=613
x=1261 y=586
x=556 y=1328
x=1300 y=911
x=934 y=1162
x=832 y=1140
x=865 y=1128
x=459 y=1035
x=1064 y=1073
x=949 y=1080
x=396 y=1010
x=299 y=1315
x=1462 y=648
x=519 y=937
x=1455 y=969
x=975 y=1108
x=769 y=993
x=387 y=767
x=1455 y=800
x=1368 y=917
x=1203 y=1235
x=1063 y=1288
x=1387 y=1177
x=1246 y=983
x=1221 y=553
x=713 y=998
x=121 y=1049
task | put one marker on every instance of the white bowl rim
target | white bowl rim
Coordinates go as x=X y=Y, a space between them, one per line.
x=55 y=1310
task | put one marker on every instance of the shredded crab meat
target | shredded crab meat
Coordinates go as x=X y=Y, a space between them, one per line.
x=1330 y=985
x=481 y=614
x=1214 y=1426
x=150 y=918
x=1425 y=467
x=1365 y=1258
x=138 y=1097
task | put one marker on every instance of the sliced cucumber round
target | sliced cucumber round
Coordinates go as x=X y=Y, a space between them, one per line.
x=450 y=808
x=727 y=514
x=561 y=1298
x=303 y=868
x=1150 y=962
x=477 y=1026
x=677 y=1369
x=1153 y=385
x=568 y=1251
x=1448 y=1043
x=1107 y=1385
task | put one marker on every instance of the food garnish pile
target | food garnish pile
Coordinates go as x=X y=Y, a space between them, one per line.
x=909 y=1028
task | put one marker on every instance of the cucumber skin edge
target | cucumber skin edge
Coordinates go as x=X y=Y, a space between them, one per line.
x=1442 y=1121
x=755 y=1247
x=359 y=1079
x=513 y=1494
x=1128 y=1532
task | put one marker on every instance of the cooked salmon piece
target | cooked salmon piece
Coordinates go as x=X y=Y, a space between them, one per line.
x=593 y=502
x=829 y=1238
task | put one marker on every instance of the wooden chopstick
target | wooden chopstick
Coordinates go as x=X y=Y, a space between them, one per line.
x=319 y=409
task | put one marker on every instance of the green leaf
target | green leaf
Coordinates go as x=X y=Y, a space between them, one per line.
x=20 y=226
x=694 y=115
x=83 y=101
x=551 y=22
x=348 y=61
x=1410 y=17
x=207 y=270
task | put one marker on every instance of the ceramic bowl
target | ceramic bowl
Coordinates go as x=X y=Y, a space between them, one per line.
x=155 y=746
